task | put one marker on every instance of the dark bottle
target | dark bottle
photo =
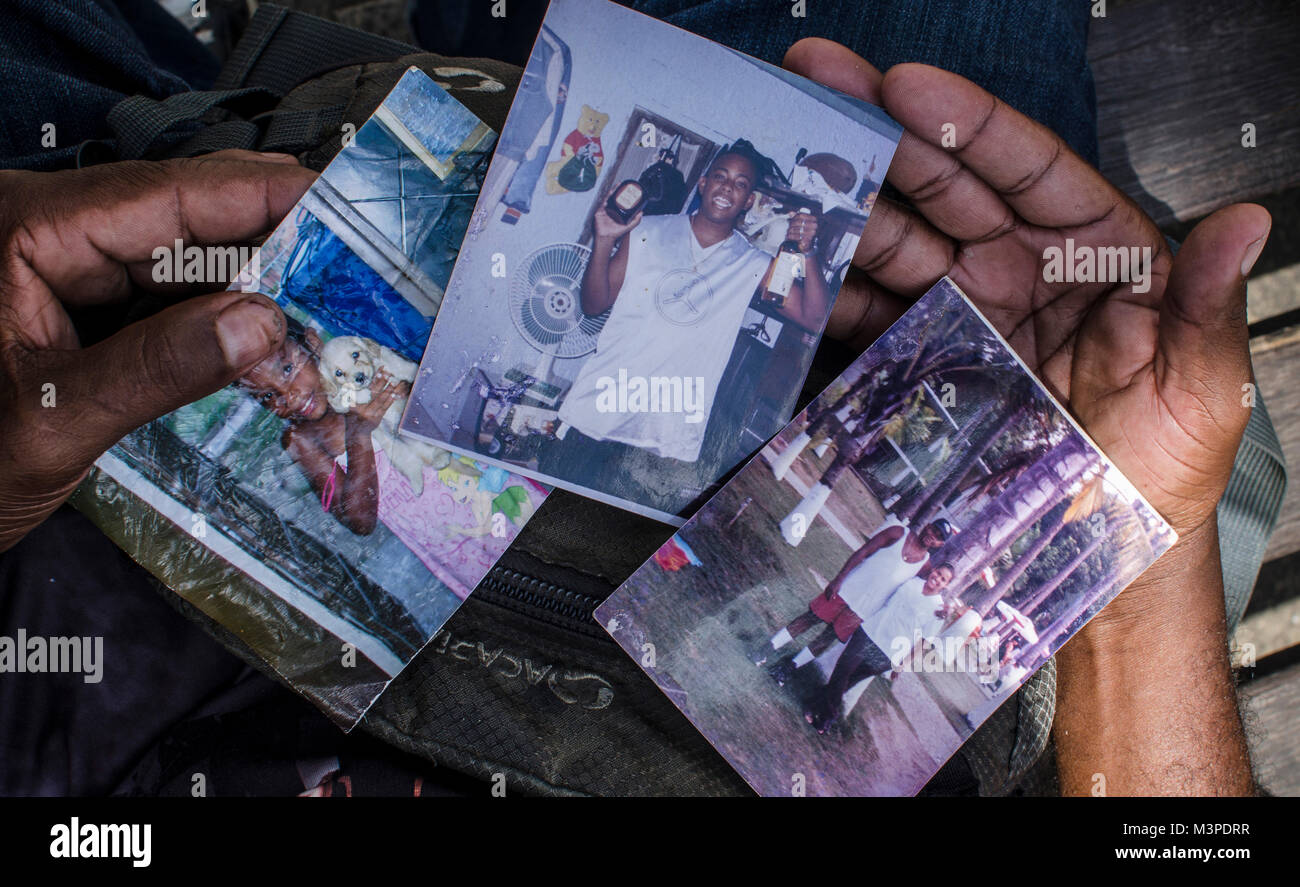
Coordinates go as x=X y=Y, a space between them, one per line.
x=625 y=201
x=787 y=266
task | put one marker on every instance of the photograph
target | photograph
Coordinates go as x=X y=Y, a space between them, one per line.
x=649 y=398
x=651 y=262
x=890 y=568
x=338 y=535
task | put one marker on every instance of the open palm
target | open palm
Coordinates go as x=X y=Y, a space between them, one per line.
x=1156 y=377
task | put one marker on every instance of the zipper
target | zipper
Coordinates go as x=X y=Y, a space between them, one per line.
x=540 y=599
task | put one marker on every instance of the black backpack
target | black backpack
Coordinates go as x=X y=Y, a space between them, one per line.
x=521 y=681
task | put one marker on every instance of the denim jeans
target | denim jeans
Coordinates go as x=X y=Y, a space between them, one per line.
x=67 y=62
x=1030 y=53
x=524 y=182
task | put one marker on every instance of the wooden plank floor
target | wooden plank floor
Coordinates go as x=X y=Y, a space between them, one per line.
x=1176 y=81
x=1272 y=706
x=1277 y=360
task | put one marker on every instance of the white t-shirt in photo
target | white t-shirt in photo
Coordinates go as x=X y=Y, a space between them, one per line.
x=677 y=316
x=908 y=609
x=874 y=580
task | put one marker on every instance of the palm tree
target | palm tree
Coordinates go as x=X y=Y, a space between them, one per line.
x=1086 y=502
x=1037 y=653
x=943 y=352
x=972 y=442
x=1047 y=588
x=1035 y=492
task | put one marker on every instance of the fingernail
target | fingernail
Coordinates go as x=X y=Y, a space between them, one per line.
x=246 y=331
x=1252 y=255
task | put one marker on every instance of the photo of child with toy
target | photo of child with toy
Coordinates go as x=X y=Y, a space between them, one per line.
x=332 y=546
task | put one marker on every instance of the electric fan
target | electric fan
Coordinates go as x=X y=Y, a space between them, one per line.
x=546 y=306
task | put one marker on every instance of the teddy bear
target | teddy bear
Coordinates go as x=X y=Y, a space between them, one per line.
x=584 y=144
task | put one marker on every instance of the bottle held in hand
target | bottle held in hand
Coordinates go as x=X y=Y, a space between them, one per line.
x=625 y=201
x=787 y=266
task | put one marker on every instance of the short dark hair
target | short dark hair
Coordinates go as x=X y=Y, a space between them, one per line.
x=295 y=331
x=764 y=167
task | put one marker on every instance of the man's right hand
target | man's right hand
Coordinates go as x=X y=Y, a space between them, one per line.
x=81 y=239
x=608 y=228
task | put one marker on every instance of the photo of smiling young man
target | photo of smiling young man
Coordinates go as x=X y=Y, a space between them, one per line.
x=676 y=288
x=633 y=329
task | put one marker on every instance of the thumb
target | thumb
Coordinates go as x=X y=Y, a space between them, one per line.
x=1204 y=341
x=1202 y=362
x=158 y=365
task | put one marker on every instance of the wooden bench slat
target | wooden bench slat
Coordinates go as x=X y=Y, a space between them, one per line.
x=1273 y=294
x=1273 y=729
x=1175 y=83
x=1276 y=358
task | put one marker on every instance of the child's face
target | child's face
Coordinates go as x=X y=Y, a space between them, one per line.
x=288 y=384
x=938 y=580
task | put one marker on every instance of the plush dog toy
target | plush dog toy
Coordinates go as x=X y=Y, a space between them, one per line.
x=348 y=365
